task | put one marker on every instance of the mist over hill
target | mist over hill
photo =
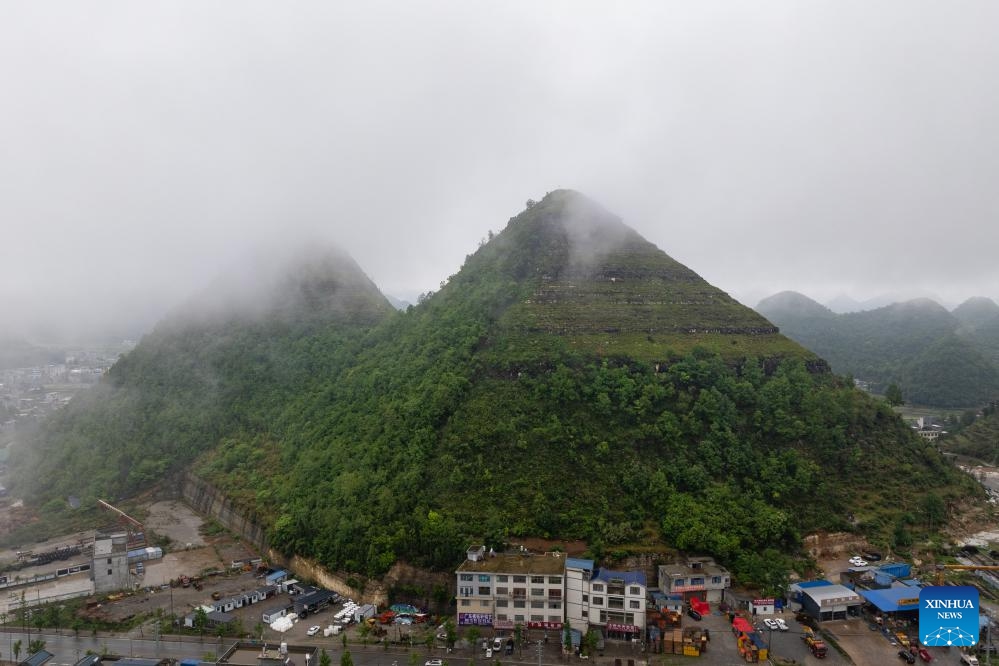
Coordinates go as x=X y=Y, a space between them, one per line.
x=571 y=380
x=938 y=358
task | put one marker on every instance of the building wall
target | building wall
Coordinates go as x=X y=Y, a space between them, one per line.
x=577 y=589
x=110 y=564
x=517 y=598
x=611 y=604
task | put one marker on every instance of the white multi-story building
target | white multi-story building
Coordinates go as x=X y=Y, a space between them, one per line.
x=577 y=592
x=614 y=601
x=502 y=591
x=617 y=602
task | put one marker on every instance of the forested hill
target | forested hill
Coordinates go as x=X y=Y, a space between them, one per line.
x=225 y=363
x=571 y=380
x=980 y=440
x=936 y=357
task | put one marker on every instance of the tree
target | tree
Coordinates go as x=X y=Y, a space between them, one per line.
x=450 y=634
x=345 y=659
x=324 y=658
x=893 y=395
x=36 y=645
x=518 y=637
x=201 y=621
x=589 y=642
x=934 y=509
x=472 y=634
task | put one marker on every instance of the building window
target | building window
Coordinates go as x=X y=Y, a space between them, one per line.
x=502 y=603
x=615 y=602
x=502 y=590
x=483 y=578
x=554 y=618
x=465 y=577
x=603 y=616
x=519 y=603
x=520 y=579
x=554 y=594
x=464 y=591
x=518 y=618
x=109 y=560
x=466 y=602
x=634 y=604
x=634 y=590
x=537 y=604
x=629 y=618
x=501 y=616
x=537 y=592
x=715 y=580
x=586 y=598
x=585 y=613
x=520 y=591
x=537 y=618
x=598 y=601
x=679 y=582
x=555 y=605
x=484 y=591
x=697 y=581
x=537 y=579
x=598 y=587
x=554 y=580
x=109 y=572
x=502 y=578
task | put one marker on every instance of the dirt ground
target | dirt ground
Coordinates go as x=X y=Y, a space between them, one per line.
x=176 y=521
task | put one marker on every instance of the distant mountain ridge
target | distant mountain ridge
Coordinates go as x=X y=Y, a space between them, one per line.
x=940 y=358
x=571 y=380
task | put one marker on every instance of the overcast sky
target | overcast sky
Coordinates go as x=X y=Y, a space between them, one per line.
x=827 y=147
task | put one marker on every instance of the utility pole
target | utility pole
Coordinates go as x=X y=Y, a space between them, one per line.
x=541 y=649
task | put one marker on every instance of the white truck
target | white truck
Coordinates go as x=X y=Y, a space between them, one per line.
x=969 y=659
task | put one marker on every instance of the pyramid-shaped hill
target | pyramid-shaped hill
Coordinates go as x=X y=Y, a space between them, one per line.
x=585 y=276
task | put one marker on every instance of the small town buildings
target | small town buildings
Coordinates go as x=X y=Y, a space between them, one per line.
x=698 y=577
x=501 y=591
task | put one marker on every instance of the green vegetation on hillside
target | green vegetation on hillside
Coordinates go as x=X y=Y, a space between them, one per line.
x=935 y=357
x=571 y=381
x=978 y=440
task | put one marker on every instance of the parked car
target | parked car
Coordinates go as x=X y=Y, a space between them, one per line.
x=781 y=624
x=434 y=662
x=771 y=624
x=313 y=630
x=924 y=654
x=693 y=614
x=906 y=656
x=497 y=644
x=969 y=659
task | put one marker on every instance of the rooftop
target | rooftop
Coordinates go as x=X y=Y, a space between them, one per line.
x=627 y=577
x=516 y=564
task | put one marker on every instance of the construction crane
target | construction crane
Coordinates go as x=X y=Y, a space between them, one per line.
x=136 y=532
x=943 y=568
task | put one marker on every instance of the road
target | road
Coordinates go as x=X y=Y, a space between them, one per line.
x=68 y=649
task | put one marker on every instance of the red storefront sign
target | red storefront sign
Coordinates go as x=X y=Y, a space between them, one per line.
x=623 y=628
x=544 y=625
